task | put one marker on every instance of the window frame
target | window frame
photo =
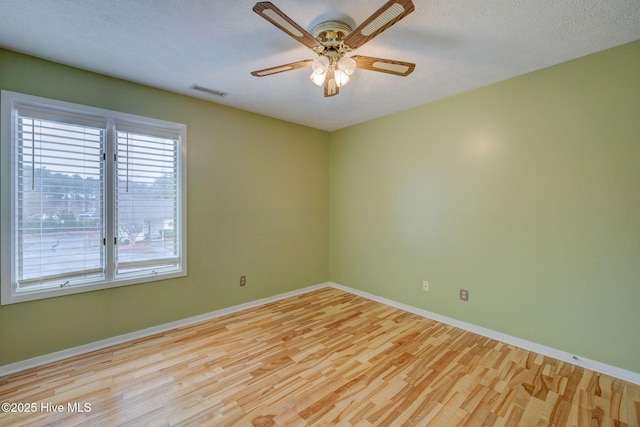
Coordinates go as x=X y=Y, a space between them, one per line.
x=10 y=101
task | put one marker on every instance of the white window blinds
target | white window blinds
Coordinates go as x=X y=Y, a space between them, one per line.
x=59 y=199
x=91 y=198
x=146 y=203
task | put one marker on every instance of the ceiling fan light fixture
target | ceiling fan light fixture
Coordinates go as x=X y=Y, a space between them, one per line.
x=347 y=65
x=331 y=41
x=320 y=65
x=342 y=78
x=318 y=79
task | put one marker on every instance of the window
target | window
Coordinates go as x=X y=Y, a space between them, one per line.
x=91 y=198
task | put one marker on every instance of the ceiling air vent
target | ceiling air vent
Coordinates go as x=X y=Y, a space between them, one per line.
x=210 y=91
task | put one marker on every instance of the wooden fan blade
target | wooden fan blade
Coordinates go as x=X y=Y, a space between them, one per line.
x=383 y=18
x=282 y=68
x=398 y=68
x=330 y=85
x=274 y=15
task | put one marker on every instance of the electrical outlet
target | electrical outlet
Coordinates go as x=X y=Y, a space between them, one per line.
x=243 y=280
x=425 y=285
x=464 y=294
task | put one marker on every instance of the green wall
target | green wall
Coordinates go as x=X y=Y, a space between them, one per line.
x=257 y=206
x=525 y=192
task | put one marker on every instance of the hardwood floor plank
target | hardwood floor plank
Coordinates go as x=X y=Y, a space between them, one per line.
x=323 y=358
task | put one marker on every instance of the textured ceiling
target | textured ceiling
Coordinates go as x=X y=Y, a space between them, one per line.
x=457 y=45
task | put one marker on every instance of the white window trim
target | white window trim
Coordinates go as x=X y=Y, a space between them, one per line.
x=8 y=294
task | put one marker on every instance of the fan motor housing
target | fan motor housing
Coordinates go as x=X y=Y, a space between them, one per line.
x=331 y=33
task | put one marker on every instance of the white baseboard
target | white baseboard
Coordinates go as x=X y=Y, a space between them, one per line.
x=623 y=374
x=630 y=376
x=98 y=345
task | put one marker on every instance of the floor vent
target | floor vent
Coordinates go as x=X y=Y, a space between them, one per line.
x=210 y=91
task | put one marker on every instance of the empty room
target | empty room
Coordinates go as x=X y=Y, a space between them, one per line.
x=318 y=213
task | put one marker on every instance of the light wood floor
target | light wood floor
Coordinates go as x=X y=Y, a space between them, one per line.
x=323 y=358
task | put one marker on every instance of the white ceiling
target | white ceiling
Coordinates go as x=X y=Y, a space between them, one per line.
x=457 y=45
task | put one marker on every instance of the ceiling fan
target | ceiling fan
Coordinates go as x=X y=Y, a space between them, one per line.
x=331 y=41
